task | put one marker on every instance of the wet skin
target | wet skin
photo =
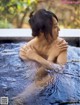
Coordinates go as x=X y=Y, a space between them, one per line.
x=45 y=53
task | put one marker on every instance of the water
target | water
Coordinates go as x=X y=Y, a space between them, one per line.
x=16 y=75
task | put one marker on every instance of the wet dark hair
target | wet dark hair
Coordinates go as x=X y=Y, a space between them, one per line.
x=42 y=21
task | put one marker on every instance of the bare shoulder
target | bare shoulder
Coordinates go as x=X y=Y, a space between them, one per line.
x=62 y=58
x=24 y=48
x=28 y=44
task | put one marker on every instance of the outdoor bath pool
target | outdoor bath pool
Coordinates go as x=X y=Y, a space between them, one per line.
x=16 y=74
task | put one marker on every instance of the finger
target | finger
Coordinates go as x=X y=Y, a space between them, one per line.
x=59 y=42
x=22 y=50
x=27 y=48
x=62 y=46
x=23 y=57
x=63 y=43
x=31 y=48
x=64 y=49
x=24 y=47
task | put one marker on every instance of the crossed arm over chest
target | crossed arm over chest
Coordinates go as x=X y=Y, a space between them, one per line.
x=29 y=53
x=58 y=52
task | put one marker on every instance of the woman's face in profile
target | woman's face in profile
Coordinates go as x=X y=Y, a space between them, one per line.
x=55 y=29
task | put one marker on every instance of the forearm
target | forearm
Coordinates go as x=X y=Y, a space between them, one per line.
x=35 y=57
x=42 y=71
x=47 y=62
x=44 y=63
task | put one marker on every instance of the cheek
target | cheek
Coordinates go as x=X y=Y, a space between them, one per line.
x=54 y=31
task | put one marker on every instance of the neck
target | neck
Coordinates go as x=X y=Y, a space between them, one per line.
x=41 y=39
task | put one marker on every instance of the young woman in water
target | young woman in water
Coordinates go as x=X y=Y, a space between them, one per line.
x=46 y=47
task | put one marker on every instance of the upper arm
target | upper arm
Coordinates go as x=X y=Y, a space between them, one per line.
x=51 y=58
x=62 y=58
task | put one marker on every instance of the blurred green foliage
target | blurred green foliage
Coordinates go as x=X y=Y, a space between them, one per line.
x=15 y=13
x=5 y=24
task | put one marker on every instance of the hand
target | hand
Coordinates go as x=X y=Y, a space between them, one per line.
x=58 y=47
x=27 y=52
x=57 y=67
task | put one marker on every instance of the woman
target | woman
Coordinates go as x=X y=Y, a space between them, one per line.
x=46 y=47
x=47 y=87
